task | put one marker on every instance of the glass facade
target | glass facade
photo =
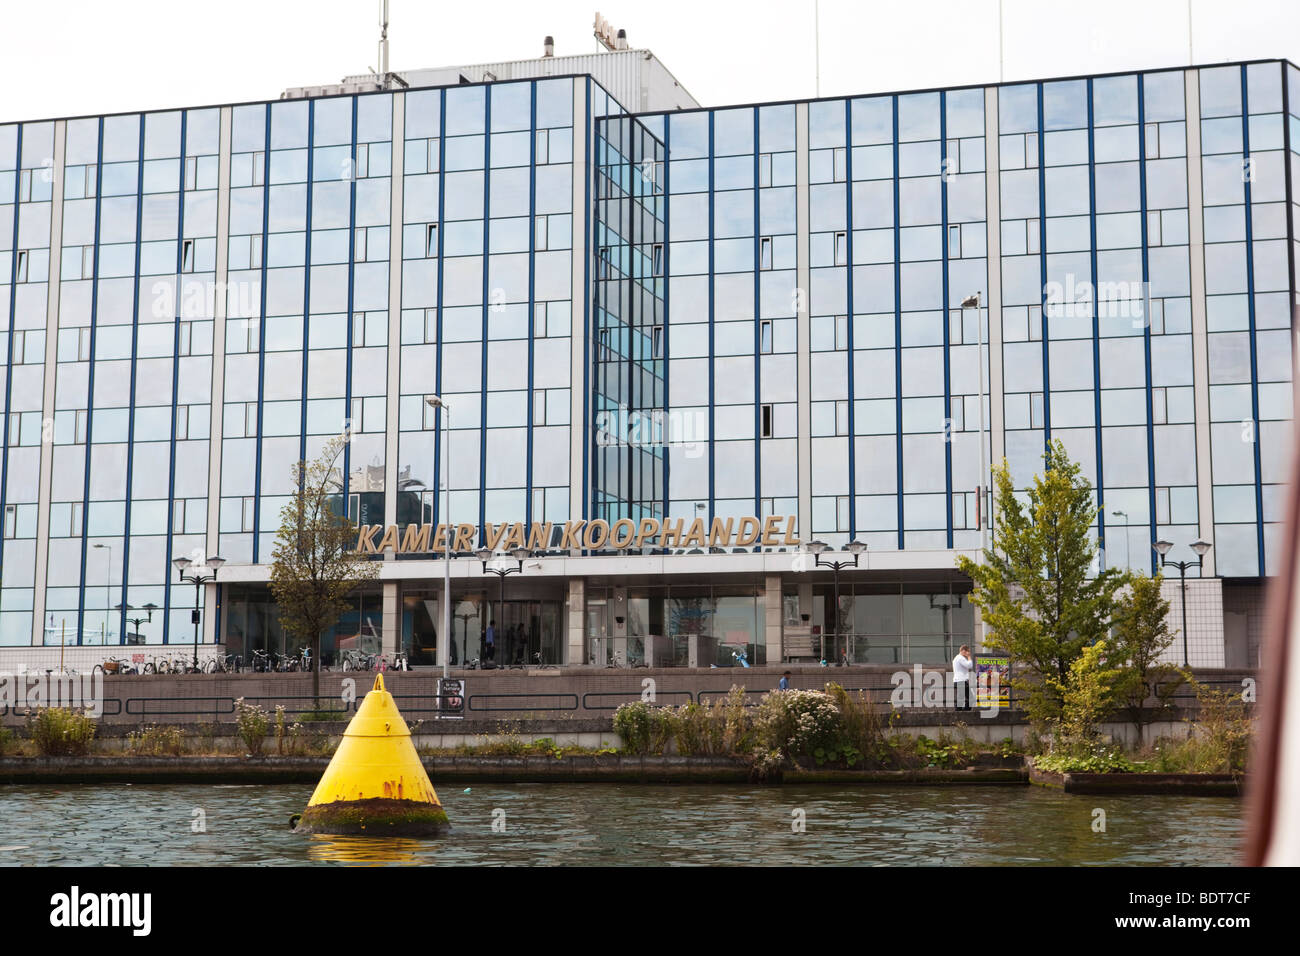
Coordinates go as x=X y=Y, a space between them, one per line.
x=727 y=312
x=1156 y=348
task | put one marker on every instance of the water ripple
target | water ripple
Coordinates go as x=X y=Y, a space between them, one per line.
x=625 y=825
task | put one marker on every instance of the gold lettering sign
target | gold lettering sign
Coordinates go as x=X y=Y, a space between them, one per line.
x=579 y=535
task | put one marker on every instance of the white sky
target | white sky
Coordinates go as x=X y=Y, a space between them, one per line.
x=75 y=57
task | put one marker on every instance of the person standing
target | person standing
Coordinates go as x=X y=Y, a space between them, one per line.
x=962 y=665
x=490 y=641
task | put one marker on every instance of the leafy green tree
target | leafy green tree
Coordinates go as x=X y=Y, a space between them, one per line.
x=1035 y=589
x=1141 y=636
x=315 y=566
x=1087 y=694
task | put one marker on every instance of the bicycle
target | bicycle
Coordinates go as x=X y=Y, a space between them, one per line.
x=184 y=665
x=357 y=661
x=540 y=664
x=261 y=661
x=226 y=664
x=114 y=665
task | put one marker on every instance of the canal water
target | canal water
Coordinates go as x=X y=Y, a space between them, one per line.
x=619 y=824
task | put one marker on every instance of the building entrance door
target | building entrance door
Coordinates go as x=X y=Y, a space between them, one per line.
x=528 y=633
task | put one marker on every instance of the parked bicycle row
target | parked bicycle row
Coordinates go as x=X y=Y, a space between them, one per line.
x=260 y=661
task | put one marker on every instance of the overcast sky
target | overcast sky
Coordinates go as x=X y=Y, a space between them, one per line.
x=72 y=57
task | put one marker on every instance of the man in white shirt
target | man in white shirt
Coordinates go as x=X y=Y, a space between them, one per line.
x=962 y=665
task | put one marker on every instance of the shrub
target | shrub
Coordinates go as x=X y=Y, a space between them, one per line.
x=1224 y=728
x=6 y=740
x=862 y=727
x=156 y=741
x=253 y=724
x=766 y=764
x=944 y=751
x=1087 y=695
x=58 y=732
x=644 y=727
x=697 y=729
x=206 y=734
x=798 y=723
x=737 y=721
x=1097 y=759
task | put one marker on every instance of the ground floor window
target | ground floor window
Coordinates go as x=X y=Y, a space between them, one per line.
x=676 y=626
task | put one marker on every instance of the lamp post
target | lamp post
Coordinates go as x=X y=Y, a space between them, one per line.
x=444 y=645
x=817 y=549
x=485 y=555
x=199 y=580
x=1124 y=515
x=1200 y=547
x=137 y=621
x=108 y=589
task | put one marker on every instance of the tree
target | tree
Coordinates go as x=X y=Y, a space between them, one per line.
x=1142 y=635
x=1087 y=696
x=1035 y=588
x=316 y=566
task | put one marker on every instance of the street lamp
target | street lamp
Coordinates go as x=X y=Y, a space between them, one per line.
x=1200 y=547
x=855 y=550
x=1124 y=515
x=108 y=588
x=485 y=555
x=137 y=621
x=199 y=580
x=436 y=403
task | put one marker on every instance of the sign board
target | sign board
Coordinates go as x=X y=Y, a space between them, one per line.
x=773 y=531
x=992 y=681
x=451 y=698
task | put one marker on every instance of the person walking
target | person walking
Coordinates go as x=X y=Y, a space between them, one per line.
x=785 y=681
x=490 y=641
x=962 y=665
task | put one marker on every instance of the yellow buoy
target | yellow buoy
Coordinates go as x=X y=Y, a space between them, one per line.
x=375 y=784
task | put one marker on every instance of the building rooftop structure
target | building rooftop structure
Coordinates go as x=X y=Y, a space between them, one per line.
x=636 y=78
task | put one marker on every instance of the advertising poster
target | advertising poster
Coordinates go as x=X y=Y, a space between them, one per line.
x=451 y=698
x=992 y=681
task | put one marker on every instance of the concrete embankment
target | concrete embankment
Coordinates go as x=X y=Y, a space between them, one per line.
x=1180 y=784
x=595 y=768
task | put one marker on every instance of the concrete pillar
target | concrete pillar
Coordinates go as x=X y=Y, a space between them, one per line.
x=1200 y=329
x=581 y=284
x=803 y=322
x=218 y=305
x=993 y=299
x=773 y=618
x=46 y=479
x=394 y=321
x=392 y=622
x=576 y=628
x=806 y=598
